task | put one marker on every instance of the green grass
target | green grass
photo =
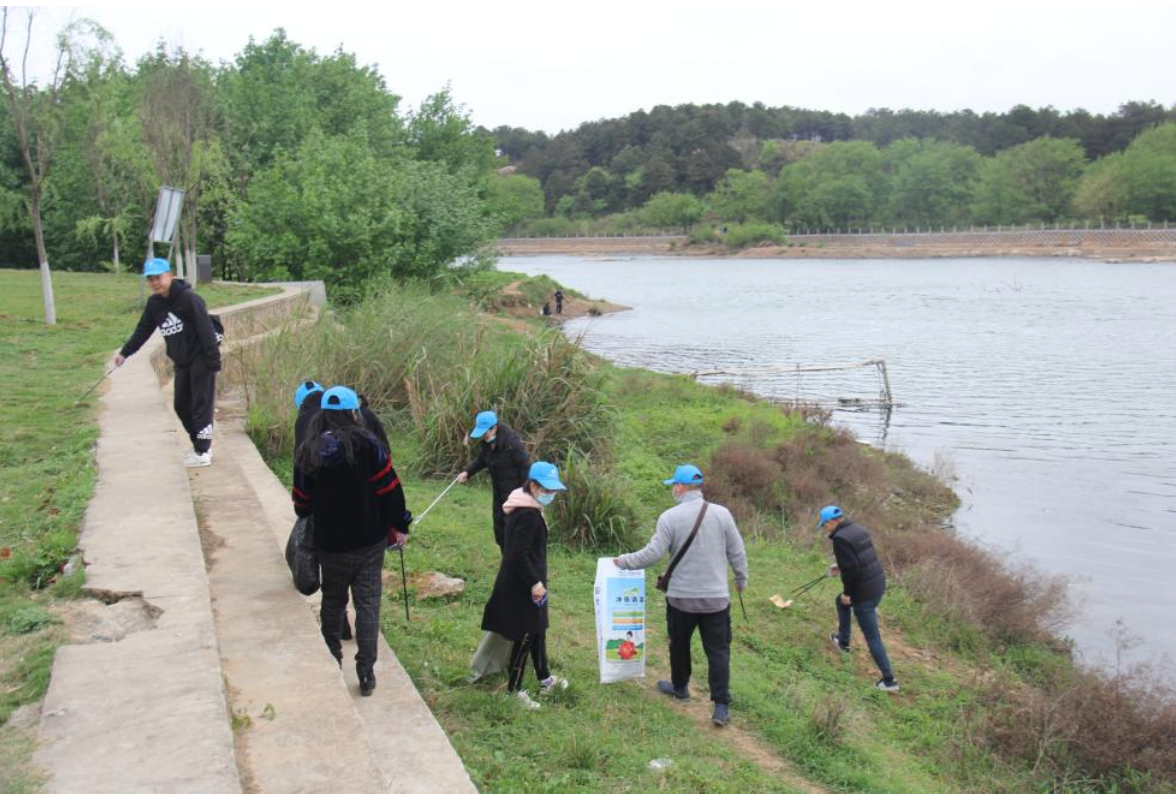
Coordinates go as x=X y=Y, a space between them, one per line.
x=46 y=459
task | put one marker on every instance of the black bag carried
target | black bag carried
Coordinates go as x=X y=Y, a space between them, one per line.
x=300 y=557
x=663 y=581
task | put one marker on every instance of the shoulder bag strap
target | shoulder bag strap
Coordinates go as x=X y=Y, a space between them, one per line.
x=690 y=541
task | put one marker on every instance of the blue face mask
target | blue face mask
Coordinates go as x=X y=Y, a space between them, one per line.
x=546 y=499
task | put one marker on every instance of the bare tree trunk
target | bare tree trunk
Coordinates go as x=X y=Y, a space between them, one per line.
x=177 y=253
x=116 y=264
x=43 y=260
x=190 y=250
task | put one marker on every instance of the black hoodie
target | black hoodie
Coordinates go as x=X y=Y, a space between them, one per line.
x=187 y=329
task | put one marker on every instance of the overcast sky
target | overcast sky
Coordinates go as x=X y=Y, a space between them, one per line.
x=552 y=65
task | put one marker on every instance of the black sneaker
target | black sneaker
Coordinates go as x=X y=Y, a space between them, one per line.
x=887 y=685
x=367 y=684
x=836 y=640
x=722 y=715
x=665 y=687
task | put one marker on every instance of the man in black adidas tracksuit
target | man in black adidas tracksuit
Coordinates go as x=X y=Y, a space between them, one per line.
x=193 y=345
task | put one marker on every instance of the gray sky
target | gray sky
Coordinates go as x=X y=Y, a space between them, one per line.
x=552 y=65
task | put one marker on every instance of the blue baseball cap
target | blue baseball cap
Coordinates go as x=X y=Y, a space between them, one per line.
x=546 y=475
x=305 y=388
x=828 y=513
x=340 y=398
x=484 y=422
x=155 y=266
x=687 y=475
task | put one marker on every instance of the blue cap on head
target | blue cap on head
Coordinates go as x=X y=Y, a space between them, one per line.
x=305 y=388
x=340 y=398
x=155 y=266
x=546 y=475
x=687 y=475
x=484 y=422
x=828 y=513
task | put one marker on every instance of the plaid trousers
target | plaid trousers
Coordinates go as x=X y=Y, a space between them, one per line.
x=360 y=571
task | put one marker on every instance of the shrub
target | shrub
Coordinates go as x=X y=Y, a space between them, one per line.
x=754 y=233
x=748 y=481
x=594 y=513
x=27 y=619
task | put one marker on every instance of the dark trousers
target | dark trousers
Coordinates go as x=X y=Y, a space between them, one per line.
x=715 y=630
x=867 y=617
x=195 y=399
x=535 y=645
x=359 y=571
x=499 y=525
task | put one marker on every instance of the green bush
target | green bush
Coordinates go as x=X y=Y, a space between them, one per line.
x=704 y=235
x=37 y=566
x=754 y=233
x=594 y=513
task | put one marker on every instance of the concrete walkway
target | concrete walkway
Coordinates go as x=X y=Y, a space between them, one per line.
x=146 y=713
x=150 y=713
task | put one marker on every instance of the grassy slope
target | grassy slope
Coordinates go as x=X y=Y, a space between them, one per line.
x=805 y=716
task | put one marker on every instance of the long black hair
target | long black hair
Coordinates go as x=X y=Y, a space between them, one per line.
x=345 y=427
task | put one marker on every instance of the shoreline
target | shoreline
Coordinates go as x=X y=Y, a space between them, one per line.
x=634 y=246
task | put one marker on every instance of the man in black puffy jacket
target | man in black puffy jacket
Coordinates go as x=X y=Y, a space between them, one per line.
x=506 y=459
x=863 y=584
x=193 y=345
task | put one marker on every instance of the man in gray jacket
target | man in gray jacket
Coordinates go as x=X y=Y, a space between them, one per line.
x=698 y=594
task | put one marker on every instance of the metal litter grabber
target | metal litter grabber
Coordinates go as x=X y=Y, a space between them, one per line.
x=797 y=592
x=97 y=383
x=400 y=549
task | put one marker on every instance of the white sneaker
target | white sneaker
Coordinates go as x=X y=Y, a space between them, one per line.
x=888 y=687
x=553 y=683
x=526 y=702
x=193 y=460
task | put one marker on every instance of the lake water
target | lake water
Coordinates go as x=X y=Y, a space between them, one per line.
x=1049 y=385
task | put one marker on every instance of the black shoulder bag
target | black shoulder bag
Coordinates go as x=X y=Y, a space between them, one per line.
x=663 y=581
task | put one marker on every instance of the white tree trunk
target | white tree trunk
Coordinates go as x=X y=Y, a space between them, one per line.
x=47 y=292
x=116 y=265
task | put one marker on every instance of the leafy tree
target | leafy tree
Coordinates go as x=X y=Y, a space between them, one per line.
x=441 y=131
x=742 y=196
x=1030 y=182
x=1148 y=174
x=840 y=184
x=514 y=199
x=1102 y=192
x=672 y=210
x=931 y=183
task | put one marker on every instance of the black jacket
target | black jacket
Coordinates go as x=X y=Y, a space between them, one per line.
x=862 y=577
x=183 y=320
x=507 y=461
x=353 y=505
x=510 y=612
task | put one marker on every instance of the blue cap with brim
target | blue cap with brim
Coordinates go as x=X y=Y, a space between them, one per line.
x=340 y=398
x=484 y=422
x=303 y=390
x=546 y=475
x=828 y=513
x=687 y=475
x=155 y=266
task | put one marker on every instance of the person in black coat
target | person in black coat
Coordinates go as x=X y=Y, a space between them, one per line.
x=506 y=459
x=863 y=583
x=344 y=480
x=517 y=608
x=308 y=399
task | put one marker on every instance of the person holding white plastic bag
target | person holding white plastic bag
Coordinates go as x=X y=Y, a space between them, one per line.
x=702 y=539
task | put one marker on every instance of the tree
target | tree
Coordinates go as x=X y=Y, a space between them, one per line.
x=337 y=211
x=37 y=116
x=741 y=196
x=1149 y=174
x=839 y=184
x=514 y=199
x=672 y=210
x=441 y=131
x=177 y=116
x=108 y=136
x=930 y=183
x=1030 y=182
x=1102 y=192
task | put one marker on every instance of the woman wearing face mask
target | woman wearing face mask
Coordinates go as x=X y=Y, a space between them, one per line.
x=517 y=608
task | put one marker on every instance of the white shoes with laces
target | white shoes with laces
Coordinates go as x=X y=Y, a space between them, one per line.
x=194 y=460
